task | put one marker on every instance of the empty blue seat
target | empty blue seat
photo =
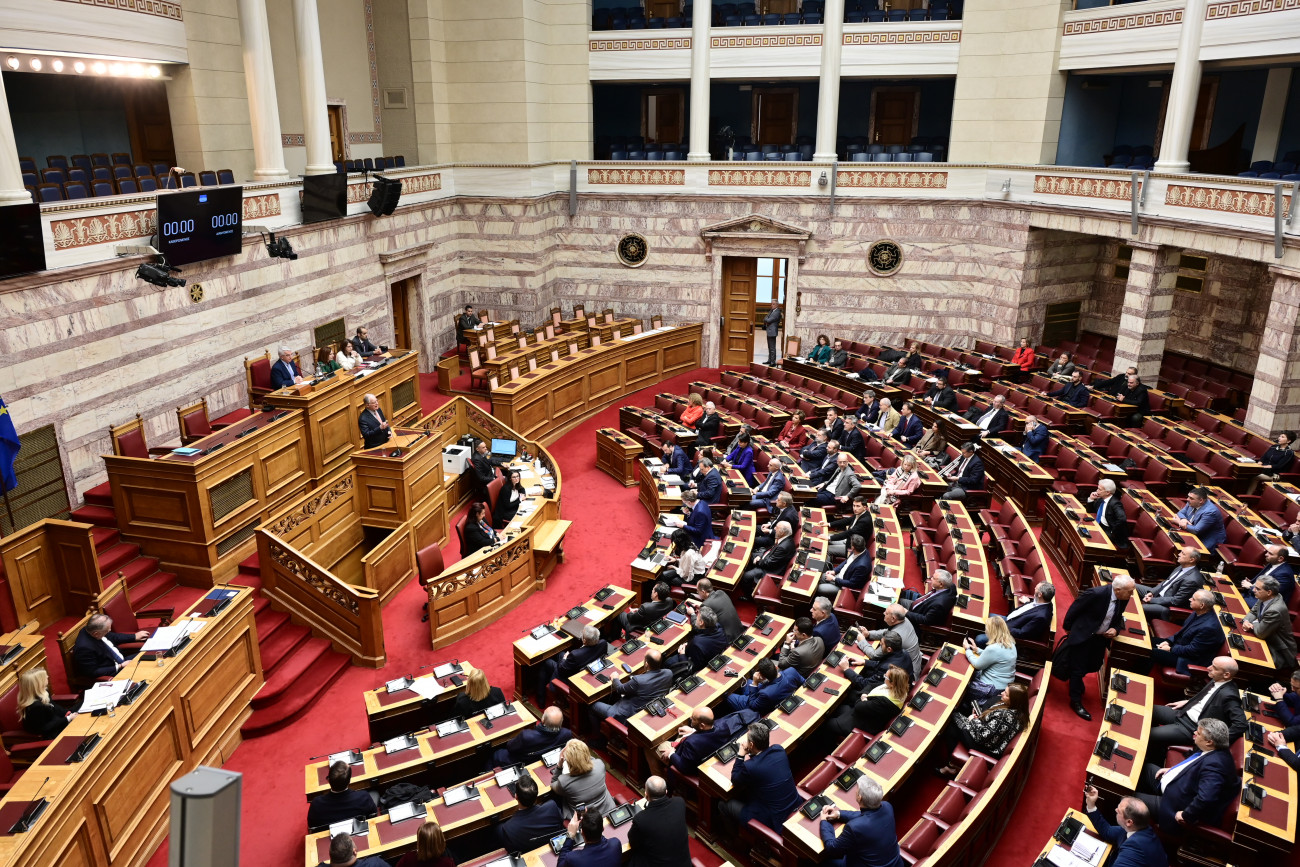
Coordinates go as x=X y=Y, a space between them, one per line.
x=790 y=18
x=674 y=156
x=753 y=156
x=147 y=184
x=897 y=14
x=855 y=16
x=1271 y=176
x=939 y=14
x=875 y=16
x=902 y=157
x=1285 y=167
x=731 y=21
x=1261 y=166
x=860 y=157
x=1247 y=174
x=225 y=176
x=49 y=192
x=923 y=157
x=75 y=190
x=812 y=18
x=894 y=149
x=791 y=157
x=771 y=19
x=805 y=152
x=618 y=155
x=1291 y=177
x=102 y=188
x=127 y=186
x=1120 y=162
x=751 y=20
x=636 y=155
x=636 y=24
x=654 y=23
x=875 y=149
x=27 y=164
x=672 y=22
x=880 y=158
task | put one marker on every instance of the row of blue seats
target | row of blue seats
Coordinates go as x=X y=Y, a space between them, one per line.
x=369 y=164
x=1125 y=162
x=1281 y=169
x=80 y=161
x=123 y=186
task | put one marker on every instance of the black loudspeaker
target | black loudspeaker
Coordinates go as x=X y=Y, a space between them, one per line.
x=384 y=197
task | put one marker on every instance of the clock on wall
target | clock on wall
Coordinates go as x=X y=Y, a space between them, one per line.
x=632 y=250
x=884 y=258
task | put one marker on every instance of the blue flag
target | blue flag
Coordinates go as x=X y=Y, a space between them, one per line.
x=9 y=446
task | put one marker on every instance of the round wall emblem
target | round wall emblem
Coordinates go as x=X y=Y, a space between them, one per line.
x=632 y=250
x=885 y=258
x=196 y=292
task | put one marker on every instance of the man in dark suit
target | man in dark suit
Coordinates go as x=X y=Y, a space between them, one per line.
x=768 y=687
x=706 y=640
x=676 y=462
x=723 y=607
x=343 y=853
x=285 y=371
x=1196 y=790
x=1196 y=642
x=1135 y=841
x=851 y=439
x=708 y=482
x=1075 y=393
x=1202 y=517
x=1176 y=590
x=95 y=653
x=1035 y=438
x=873 y=670
x=833 y=425
x=597 y=850
x=964 y=473
x=1172 y=725
x=802 y=650
x=1108 y=512
x=933 y=607
x=840 y=355
x=469 y=319
x=870 y=409
x=772 y=325
x=853 y=573
x=533 y=823
x=1032 y=619
x=765 y=494
x=661 y=602
x=898 y=373
x=774 y=560
x=828 y=466
x=762 y=784
x=658 y=836
x=940 y=394
x=1092 y=620
x=785 y=511
x=1275 y=565
x=869 y=837
x=826 y=625
x=1134 y=393
x=530 y=744
x=993 y=420
x=706 y=429
x=813 y=455
x=339 y=802
x=858 y=523
x=485 y=469
x=910 y=428
x=570 y=662
x=361 y=342
x=699 y=517
x=375 y=430
x=702 y=737
x=636 y=692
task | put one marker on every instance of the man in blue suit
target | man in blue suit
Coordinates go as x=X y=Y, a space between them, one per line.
x=1034 y=442
x=702 y=737
x=852 y=440
x=1196 y=790
x=1135 y=841
x=1197 y=642
x=766 y=689
x=676 y=462
x=870 y=409
x=762 y=784
x=699 y=517
x=597 y=850
x=1275 y=564
x=1032 y=620
x=285 y=372
x=1201 y=517
x=910 y=429
x=853 y=573
x=533 y=823
x=813 y=455
x=1075 y=393
x=964 y=473
x=636 y=692
x=709 y=482
x=529 y=745
x=765 y=494
x=869 y=837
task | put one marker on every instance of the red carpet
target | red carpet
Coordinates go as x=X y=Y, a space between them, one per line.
x=609 y=527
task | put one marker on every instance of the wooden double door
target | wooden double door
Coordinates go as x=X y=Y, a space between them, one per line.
x=742 y=314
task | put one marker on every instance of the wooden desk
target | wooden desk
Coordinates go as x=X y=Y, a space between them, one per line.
x=113 y=808
x=1272 y=828
x=1074 y=554
x=1118 y=775
x=616 y=455
x=730 y=564
x=548 y=401
x=1015 y=476
x=1254 y=659
x=1165 y=516
x=402 y=483
x=1081 y=816
x=390 y=714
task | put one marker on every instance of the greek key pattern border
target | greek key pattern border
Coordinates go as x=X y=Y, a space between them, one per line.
x=1123 y=22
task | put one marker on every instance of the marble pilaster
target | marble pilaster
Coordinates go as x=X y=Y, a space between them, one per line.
x=1275 y=397
x=1148 y=305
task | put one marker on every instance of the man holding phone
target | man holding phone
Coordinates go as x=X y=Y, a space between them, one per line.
x=1135 y=841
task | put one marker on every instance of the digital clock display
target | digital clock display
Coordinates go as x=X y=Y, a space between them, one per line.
x=194 y=225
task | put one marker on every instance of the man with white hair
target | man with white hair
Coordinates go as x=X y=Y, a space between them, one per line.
x=895 y=621
x=1093 y=619
x=375 y=430
x=285 y=371
x=1108 y=512
x=774 y=560
x=706 y=429
x=869 y=837
x=887 y=419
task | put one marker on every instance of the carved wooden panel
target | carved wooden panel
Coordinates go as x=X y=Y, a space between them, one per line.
x=381 y=498
x=126 y=798
x=227 y=672
x=159 y=508
x=34 y=585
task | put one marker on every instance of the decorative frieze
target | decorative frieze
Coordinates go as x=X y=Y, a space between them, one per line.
x=793 y=40
x=653 y=43
x=638 y=177
x=1253 y=202
x=1123 y=22
x=759 y=178
x=103 y=228
x=160 y=8
x=1090 y=188
x=905 y=37
x=891 y=178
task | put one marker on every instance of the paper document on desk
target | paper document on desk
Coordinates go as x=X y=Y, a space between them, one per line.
x=426 y=687
x=104 y=695
x=165 y=637
x=1088 y=848
x=534 y=490
x=671 y=521
x=671 y=479
x=1062 y=857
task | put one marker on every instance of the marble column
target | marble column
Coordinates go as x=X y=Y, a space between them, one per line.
x=1272 y=112
x=828 y=91
x=263 y=107
x=11 y=174
x=1184 y=90
x=311 y=76
x=1148 y=304
x=1275 y=397
x=698 y=147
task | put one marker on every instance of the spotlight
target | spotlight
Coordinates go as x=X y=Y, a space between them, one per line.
x=159 y=274
x=117 y=69
x=154 y=72
x=57 y=64
x=36 y=64
x=79 y=67
x=99 y=67
x=279 y=248
x=12 y=62
x=383 y=199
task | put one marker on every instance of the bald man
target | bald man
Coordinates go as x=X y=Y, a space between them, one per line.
x=658 y=836
x=1173 y=724
x=531 y=744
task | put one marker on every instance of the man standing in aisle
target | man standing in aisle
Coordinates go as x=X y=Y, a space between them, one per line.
x=772 y=324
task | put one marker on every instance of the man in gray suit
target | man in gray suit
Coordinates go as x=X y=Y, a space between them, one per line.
x=842 y=486
x=637 y=691
x=1176 y=590
x=895 y=621
x=1270 y=621
x=802 y=651
x=722 y=606
x=772 y=324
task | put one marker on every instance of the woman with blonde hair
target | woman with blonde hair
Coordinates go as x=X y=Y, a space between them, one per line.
x=430 y=849
x=40 y=715
x=872 y=712
x=694 y=411
x=900 y=481
x=478 y=695
x=995 y=665
x=579 y=778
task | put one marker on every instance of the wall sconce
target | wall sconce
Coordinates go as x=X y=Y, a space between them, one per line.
x=1006 y=187
x=823 y=180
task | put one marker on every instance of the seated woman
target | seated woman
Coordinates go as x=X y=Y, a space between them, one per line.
x=477 y=696
x=741 y=458
x=579 y=778
x=873 y=711
x=899 y=482
x=990 y=731
x=1062 y=367
x=478 y=530
x=821 y=353
x=694 y=411
x=41 y=716
x=508 y=500
x=347 y=357
x=430 y=849
x=932 y=442
x=995 y=665
x=794 y=435
x=685 y=563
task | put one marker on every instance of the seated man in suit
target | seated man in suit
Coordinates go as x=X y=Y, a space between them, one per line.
x=871 y=643
x=765 y=494
x=897 y=373
x=1270 y=621
x=706 y=640
x=785 y=511
x=709 y=597
x=597 y=849
x=963 y=473
x=853 y=573
x=339 y=802
x=812 y=457
x=1173 y=725
x=933 y=607
x=833 y=425
x=706 y=429
x=95 y=653
x=1108 y=512
x=701 y=738
x=859 y=523
x=570 y=662
x=872 y=673
x=531 y=744
x=469 y=319
x=1199 y=515
x=839 y=355
x=708 y=483
x=851 y=440
x=940 y=394
x=343 y=853
x=1196 y=790
x=768 y=687
x=802 y=650
x=375 y=430
x=1134 y=393
x=658 y=836
x=699 y=518
x=1275 y=565
x=1034 y=441
x=762 y=783
x=840 y=486
x=1176 y=590
x=826 y=625
x=485 y=469
x=533 y=823
x=1031 y=620
x=887 y=418
x=909 y=429
x=991 y=421
x=774 y=560
x=636 y=619
x=869 y=837
x=285 y=371
x=1075 y=393
x=1135 y=841
x=361 y=343
x=830 y=463
x=1197 y=641
x=676 y=462
x=870 y=409
x=636 y=692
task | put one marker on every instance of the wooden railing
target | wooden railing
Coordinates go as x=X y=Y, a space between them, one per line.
x=388 y=566
x=481 y=588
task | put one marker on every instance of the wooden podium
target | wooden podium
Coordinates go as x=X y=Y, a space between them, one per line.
x=402 y=482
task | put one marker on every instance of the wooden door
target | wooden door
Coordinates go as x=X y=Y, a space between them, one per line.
x=149 y=123
x=894 y=119
x=662 y=115
x=1204 y=116
x=401 y=313
x=776 y=115
x=662 y=8
x=779 y=7
x=739 y=277
x=337 y=150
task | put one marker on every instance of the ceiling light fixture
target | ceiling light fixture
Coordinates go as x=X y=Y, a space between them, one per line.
x=79 y=67
x=57 y=65
x=12 y=62
x=35 y=64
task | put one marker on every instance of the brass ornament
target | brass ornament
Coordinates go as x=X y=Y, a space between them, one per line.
x=632 y=250
x=885 y=258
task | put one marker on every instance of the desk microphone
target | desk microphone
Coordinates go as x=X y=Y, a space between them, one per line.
x=29 y=815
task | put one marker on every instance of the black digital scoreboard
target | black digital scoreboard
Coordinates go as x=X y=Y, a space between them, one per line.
x=194 y=225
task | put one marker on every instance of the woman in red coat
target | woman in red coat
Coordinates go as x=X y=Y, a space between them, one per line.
x=1024 y=356
x=794 y=435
